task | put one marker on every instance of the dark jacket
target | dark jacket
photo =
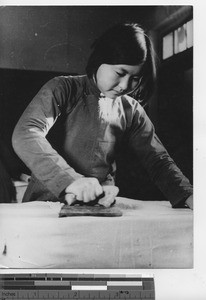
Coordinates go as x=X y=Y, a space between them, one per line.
x=93 y=127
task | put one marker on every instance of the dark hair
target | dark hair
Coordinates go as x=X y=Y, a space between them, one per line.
x=126 y=44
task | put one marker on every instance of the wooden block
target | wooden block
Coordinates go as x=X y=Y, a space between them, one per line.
x=86 y=210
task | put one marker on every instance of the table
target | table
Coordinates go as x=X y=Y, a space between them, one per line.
x=150 y=234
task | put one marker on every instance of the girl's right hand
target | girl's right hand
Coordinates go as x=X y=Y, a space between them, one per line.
x=189 y=202
x=83 y=189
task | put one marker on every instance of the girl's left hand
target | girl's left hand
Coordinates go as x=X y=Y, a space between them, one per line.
x=189 y=202
x=110 y=192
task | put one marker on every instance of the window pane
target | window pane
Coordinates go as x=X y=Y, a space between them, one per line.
x=190 y=34
x=176 y=50
x=168 y=45
x=180 y=39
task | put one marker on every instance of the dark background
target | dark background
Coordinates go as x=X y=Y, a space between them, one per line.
x=38 y=43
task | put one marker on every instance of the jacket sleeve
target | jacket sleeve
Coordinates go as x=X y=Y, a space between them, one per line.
x=156 y=160
x=29 y=136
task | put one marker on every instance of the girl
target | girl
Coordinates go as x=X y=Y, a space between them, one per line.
x=98 y=110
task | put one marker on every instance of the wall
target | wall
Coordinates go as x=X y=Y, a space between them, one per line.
x=57 y=38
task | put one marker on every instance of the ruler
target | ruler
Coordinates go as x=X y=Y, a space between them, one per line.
x=76 y=286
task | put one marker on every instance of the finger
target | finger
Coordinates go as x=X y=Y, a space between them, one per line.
x=189 y=202
x=70 y=198
x=110 y=194
x=67 y=190
x=92 y=196
x=110 y=190
x=98 y=190
x=91 y=192
x=107 y=200
x=86 y=197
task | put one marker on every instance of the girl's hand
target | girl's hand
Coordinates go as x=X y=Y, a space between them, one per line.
x=110 y=192
x=189 y=202
x=84 y=189
x=88 y=189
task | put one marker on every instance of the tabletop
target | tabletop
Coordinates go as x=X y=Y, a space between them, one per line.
x=149 y=234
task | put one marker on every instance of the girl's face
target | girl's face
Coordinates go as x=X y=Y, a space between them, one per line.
x=117 y=80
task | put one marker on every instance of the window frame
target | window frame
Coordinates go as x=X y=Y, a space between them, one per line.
x=172 y=30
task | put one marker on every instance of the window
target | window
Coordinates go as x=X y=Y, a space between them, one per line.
x=178 y=40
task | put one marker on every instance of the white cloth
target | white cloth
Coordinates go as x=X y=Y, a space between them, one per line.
x=150 y=234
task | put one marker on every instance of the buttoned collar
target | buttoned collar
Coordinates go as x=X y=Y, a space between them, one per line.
x=91 y=87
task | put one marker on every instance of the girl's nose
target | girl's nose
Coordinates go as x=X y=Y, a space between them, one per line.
x=124 y=83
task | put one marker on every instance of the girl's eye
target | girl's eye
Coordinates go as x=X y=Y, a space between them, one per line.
x=136 y=78
x=120 y=74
